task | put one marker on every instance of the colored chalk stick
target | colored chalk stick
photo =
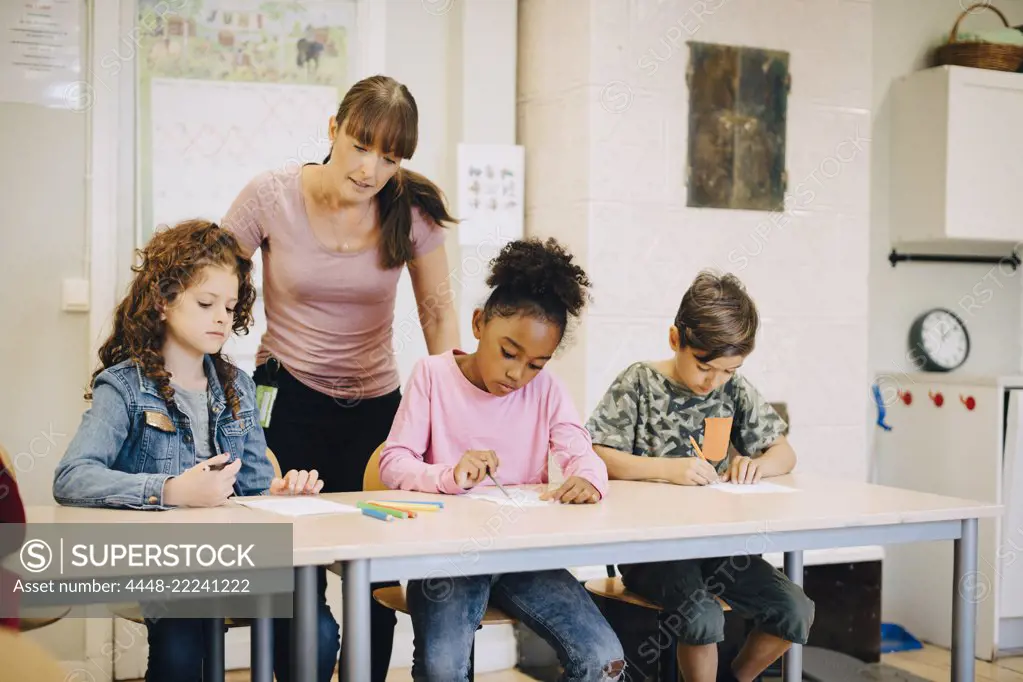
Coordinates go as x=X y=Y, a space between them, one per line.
x=377 y=514
x=393 y=512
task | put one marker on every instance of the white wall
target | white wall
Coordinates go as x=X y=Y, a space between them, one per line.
x=603 y=100
x=417 y=55
x=43 y=351
x=905 y=31
x=458 y=61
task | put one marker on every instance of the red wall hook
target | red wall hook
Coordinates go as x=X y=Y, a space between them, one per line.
x=968 y=401
x=938 y=399
x=906 y=396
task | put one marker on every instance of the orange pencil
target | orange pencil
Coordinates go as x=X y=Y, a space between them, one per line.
x=411 y=514
x=407 y=505
x=697 y=448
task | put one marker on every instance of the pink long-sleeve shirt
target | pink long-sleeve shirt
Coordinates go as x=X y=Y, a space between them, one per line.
x=442 y=415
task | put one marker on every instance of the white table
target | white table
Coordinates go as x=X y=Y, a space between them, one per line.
x=637 y=522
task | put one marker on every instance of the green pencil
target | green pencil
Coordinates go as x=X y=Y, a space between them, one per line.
x=391 y=512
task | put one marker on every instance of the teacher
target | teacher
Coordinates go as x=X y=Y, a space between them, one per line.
x=334 y=238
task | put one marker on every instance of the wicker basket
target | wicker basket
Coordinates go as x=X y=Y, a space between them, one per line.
x=979 y=55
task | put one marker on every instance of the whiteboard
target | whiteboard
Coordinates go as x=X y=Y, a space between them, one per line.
x=202 y=156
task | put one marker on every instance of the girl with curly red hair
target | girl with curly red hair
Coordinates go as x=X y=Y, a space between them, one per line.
x=173 y=423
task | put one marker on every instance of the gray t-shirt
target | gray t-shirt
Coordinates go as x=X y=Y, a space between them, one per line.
x=196 y=406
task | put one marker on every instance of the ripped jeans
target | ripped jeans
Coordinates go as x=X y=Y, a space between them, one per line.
x=446 y=613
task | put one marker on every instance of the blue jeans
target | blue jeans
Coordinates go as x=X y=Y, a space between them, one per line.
x=446 y=612
x=177 y=647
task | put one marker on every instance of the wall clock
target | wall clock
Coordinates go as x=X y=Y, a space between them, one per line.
x=938 y=341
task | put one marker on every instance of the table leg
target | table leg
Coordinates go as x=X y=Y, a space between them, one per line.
x=355 y=587
x=303 y=626
x=213 y=664
x=262 y=650
x=964 y=603
x=792 y=665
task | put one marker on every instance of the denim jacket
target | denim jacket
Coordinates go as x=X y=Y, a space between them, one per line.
x=128 y=443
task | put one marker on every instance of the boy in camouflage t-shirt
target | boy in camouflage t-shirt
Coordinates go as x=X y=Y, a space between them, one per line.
x=641 y=429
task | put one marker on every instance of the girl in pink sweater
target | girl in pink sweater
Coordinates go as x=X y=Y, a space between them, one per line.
x=466 y=417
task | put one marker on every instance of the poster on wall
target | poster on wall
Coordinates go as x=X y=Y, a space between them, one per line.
x=40 y=54
x=490 y=193
x=227 y=90
x=492 y=213
x=268 y=75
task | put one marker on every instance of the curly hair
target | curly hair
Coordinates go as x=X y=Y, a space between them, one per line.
x=717 y=318
x=170 y=264
x=536 y=278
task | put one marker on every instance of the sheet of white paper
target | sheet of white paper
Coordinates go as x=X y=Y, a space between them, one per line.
x=752 y=488
x=299 y=506
x=520 y=498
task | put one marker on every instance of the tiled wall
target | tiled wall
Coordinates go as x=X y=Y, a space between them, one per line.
x=604 y=113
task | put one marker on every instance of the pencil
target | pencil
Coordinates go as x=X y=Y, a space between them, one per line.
x=377 y=514
x=697 y=448
x=423 y=502
x=392 y=512
x=499 y=486
x=413 y=511
x=404 y=510
x=415 y=506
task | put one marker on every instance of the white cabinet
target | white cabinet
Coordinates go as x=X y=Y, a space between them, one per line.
x=957 y=156
x=958 y=436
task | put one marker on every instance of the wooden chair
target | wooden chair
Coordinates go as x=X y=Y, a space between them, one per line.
x=394 y=597
x=613 y=588
x=24 y=659
x=133 y=612
x=42 y=616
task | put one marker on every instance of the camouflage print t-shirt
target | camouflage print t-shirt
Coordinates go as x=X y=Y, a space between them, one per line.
x=647 y=414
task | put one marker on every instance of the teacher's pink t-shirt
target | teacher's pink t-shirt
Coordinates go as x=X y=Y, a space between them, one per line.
x=329 y=315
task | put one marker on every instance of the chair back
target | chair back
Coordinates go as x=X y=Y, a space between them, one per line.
x=371 y=476
x=24 y=659
x=273 y=461
x=7 y=463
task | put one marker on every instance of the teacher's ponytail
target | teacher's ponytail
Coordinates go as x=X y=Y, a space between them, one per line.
x=405 y=191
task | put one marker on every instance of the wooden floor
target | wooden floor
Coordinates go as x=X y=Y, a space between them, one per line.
x=930 y=663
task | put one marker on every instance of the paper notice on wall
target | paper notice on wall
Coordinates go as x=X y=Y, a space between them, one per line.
x=40 y=54
x=490 y=193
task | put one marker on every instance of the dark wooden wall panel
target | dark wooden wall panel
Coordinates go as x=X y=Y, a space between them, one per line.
x=738 y=99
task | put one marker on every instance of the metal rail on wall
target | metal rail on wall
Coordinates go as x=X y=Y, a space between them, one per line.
x=895 y=257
